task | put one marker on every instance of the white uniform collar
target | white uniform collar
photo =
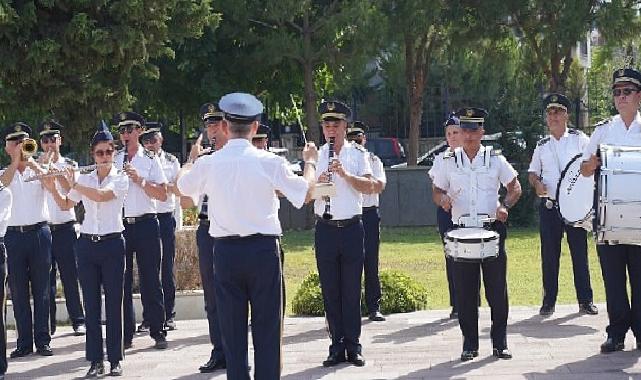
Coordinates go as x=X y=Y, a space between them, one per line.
x=565 y=134
x=112 y=171
x=241 y=142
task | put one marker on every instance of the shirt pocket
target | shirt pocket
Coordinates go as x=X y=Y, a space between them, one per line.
x=488 y=181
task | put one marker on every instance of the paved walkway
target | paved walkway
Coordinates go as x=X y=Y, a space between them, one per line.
x=421 y=345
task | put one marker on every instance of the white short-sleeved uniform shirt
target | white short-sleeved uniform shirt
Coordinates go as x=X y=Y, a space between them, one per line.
x=473 y=186
x=378 y=172
x=614 y=132
x=348 y=201
x=5 y=209
x=57 y=215
x=102 y=218
x=551 y=156
x=170 y=167
x=240 y=183
x=29 y=205
x=148 y=165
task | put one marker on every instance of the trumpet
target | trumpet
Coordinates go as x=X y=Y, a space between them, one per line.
x=85 y=168
x=29 y=147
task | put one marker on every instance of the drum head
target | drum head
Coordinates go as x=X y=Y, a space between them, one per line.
x=472 y=233
x=575 y=192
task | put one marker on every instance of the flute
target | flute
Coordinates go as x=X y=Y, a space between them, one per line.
x=62 y=173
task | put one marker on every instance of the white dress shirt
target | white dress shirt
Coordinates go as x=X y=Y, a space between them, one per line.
x=102 y=218
x=5 y=209
x=348 y=202
x=148 y=167
x=473 y=186
x=29 y=205
x=56 y=215
x=240 y=182
x=170 y=167
x=614 y=132
x=551 y=156
x=378 y=172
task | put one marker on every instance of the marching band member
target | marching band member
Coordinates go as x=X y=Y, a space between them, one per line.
x=371 y=226
x=617 y=259
x=240 y=182
x=455 y=192
x=63 y=233
x=339 y=240
x=100 y=248
x=142 y=232
x=28 y=243
x=453 y=136
x=551 y=155
x=152 y=140
x=5 y=212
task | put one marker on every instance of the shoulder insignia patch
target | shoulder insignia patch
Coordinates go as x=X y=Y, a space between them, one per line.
x=149 y=153
x=359 y=147
x=573 y=131
x=171 y=157
x=543 y=141
x=603 y=122
x=70 y=162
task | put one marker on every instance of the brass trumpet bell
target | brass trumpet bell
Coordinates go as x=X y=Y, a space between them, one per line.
x=29 y=147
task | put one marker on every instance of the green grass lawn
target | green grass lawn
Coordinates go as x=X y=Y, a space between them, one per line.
x=418 y=252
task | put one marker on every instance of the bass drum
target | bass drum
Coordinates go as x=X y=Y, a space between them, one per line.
x=575 y=195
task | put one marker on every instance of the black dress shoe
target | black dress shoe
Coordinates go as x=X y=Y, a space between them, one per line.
x=356 y=358
x=588 y=308
x=454 y=314
x=611 y=345
x=546 y=310
x=170 y=324
x=468 y=355
x=638 y=344
x=376 y=316
x=44 y=350
x=501 y=353
x=116 y=369
x=143 y=327
x=334 y=359
x=213 y=365
x=79 y=330
x=96 y=369
x=20 y=352
x=161 y=342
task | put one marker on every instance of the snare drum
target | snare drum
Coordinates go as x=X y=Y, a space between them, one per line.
x=575 y=195
x=619 y=211
x=471 y=244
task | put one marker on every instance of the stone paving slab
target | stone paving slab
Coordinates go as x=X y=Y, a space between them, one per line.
x=420 y=345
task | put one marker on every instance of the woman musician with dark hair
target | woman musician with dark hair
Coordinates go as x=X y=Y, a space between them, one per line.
x=100 y=249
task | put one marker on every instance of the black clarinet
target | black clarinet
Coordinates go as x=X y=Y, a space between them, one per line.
x=327 y=215
x=125 y=156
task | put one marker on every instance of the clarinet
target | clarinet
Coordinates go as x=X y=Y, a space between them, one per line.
x=327 y=215
x=125 y=156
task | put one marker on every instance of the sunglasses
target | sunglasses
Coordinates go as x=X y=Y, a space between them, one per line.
x=102 y=153
x=149 y=140
x=625 y=91
x=48 y=140
x=127 y=128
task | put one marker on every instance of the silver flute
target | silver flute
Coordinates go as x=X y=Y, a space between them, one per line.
x=85 y=168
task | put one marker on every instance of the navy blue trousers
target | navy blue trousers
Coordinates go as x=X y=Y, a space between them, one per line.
x=339 y=258
x=63 y=258
x=247 y=272
x=372 y=239
x=29 y=259
x=205 y=244
x=143 y=238
x=618 y=262
x=552 y=228
x=102 y=265
x=167 y=224
x=3 y=300
x=467 y=284
x=444 y=221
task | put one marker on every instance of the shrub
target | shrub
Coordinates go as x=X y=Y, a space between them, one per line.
x=186 y=261
x=400 y=294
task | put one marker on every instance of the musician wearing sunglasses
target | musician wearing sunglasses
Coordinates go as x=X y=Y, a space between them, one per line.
x=619 y=260
x=551 y=155
x=100 y=248
x=63 y=233
x=28 y=243
x=152 y=140
x=339 y=235
x=453 y=136
x=147 y=186
x=468 y=184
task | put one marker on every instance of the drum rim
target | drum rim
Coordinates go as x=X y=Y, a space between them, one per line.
x=588 y=216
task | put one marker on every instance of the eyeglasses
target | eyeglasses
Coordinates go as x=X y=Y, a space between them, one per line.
x=48 y=140
x=127 y=128
x=149 y=140
x=625 y=91
x=101 y=153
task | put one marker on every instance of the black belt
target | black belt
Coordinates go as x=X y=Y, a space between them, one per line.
x=204 y=222
x=369 y=208
x=339 y=223
x=203 y=217
x=99 y=238
x=59 y=226
x=28 y=228
x=165 y=214
x=238 y=237
x=136 y=219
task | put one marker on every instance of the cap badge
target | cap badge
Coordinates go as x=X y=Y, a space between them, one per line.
x=331 y=106
x=123 y=116
x=211 y=108
x=18 y=128
x=554 y=98
x=621 y=72
x=47 y=127
x=469 y=112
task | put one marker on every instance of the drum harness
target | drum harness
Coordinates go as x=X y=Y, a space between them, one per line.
x=472 y=219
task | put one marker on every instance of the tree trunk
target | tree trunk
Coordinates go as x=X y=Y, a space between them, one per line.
x=415 y=69
x=311 y=118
